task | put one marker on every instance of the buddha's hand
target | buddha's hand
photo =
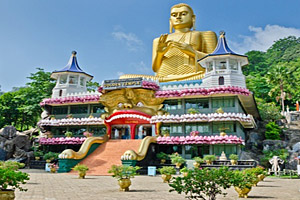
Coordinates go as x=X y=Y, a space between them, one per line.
x=184 y=47
x=163 y=45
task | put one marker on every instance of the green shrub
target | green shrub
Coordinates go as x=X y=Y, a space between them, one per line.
x=50 y=156
x=243 y=179
x=273 y=131
x=10 y=177
x=202 y=183
x=193 y=111
x=162 y=155
x=80 y=168
x=233 y=157
x=68 y=134
x=268 y=111
x=210 y=157
x=11 y=165
x=176 y=158
x=167 y=170
x=123 y=171
x=38 y=154
x=198 y=160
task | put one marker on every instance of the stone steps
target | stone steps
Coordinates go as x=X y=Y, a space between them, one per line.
x=108 y=154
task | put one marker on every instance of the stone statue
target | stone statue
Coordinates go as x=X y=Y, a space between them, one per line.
x=13 y=146
x=175 y=55
x=275 y=161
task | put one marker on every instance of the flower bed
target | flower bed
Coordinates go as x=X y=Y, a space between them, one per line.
x=71 y=99
x=62 y=140
x=202 y=91
x=231 y=139
x=71 y=121
x=201 y=118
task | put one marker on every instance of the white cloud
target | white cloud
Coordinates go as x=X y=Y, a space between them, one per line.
x=130 y=39
x=263 y=38
x=120 y=73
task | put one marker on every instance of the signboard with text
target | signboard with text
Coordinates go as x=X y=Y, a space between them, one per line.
x=122 y=83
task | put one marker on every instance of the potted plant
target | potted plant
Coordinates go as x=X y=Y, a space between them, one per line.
x=162 y=156
x=50 y=156
x=257 y=171
x=38 y=155
x=10 y=180
x=184 y=171
x=123 y=173
x=177 y=160
x=233 y=159
x=165 y=133
x=53 y=167
x=87 y=134
x=242 y=182
x=11 y=165
x=68 y=134
x=166 y=173
x=81 y=169
x=69 y=116
x=193 y=111
x=197 y=162
x=209 y=159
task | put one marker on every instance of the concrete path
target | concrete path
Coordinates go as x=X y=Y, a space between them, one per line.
x=47 y=186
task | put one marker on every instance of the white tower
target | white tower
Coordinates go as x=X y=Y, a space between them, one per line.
x=70 y=79
x=223 y=66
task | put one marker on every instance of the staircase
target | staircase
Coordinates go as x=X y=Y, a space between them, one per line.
x=108 y=154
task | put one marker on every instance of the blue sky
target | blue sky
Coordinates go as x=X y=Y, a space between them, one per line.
x=115 y=37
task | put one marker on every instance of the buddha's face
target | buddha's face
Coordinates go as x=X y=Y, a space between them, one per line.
x=181 y=17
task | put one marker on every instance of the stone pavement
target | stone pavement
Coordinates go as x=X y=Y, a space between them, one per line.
x=47 y=186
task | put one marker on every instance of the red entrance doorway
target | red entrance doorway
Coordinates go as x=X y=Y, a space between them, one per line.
x=126 y=122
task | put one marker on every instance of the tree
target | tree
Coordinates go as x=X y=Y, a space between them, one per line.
x=92 y=86
x=20 y=107
x=279 y=78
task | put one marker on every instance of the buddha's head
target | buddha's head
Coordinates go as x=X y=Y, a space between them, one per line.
x=182 y=16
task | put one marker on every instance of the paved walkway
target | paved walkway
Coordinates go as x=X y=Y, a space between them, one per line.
x=47 y=186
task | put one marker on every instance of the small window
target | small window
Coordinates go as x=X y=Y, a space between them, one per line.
x=73 y=79
x=233 y=64
x=221 y=80
x=221 y=65
x=61 y=110
x=79 y=109
x=209 y=66
x=82 y=81
x=60 y=93
x=63 y=79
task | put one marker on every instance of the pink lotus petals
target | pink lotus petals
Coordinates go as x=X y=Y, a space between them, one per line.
x=241 y=117
x=200 y=140
x=71 y=99
x=61 y=140
x=71 y=121
x=150 y=85
x=202 y=91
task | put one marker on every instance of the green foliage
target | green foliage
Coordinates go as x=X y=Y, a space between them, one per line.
x=92 y=86
x=167 y=170
x=198 y=160
x=193 y=111
x=20 y=107
x=282 y=153
x=162 y=155
x=183 y=170
x=68 y=134
x=10 y=177
x=243 y=179
x=50 y=156
x=273 y=131
x=268 y=111
x=123 y=171
x=202 y=183
x=233 y=157
x=176 y=158
x=38 y=153
x=11 y=165
x=270 y=73
x=210 y=157
x=80 y=168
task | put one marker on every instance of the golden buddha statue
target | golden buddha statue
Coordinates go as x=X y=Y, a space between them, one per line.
x=175 y=55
